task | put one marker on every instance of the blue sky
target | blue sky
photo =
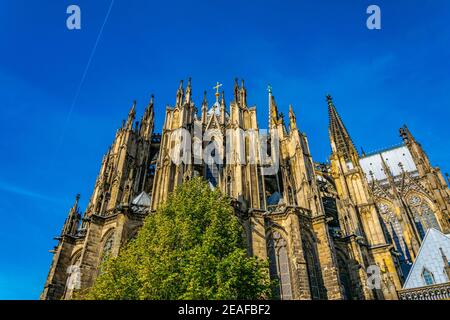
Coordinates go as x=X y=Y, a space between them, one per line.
x=53 y=139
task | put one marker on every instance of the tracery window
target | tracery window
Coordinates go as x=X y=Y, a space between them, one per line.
x=279 y=265
x=212 y=167
x=393 y=226
x=344 y=275
x=312 y=265
x=107 y=247
x=395 y=234
x=73 y=276
x=424 y=216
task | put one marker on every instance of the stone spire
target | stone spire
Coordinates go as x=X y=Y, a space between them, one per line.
x=273 y=109
x=292 y=119
x=222 y=108
x=339 y=137
x=236 y=91
x=73 y=219
x=147 y=120
x=406 y=135
x=419 y=156
x=180 y=94
x=204 y=108
x=131 y=115
x=243 y=94
x=188 y=95
x=446 y=263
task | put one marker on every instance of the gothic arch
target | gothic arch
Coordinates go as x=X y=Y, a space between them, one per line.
x=394 y=233
x=107 y=243
x=422 y=195
x=344 y=269
x=316 y=285
x=279 y=264
x=76 y=258
x=423 y=212
x=272 y=227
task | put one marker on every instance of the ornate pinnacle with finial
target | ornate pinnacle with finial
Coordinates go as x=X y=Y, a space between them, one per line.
x=217 y=87
x=291 y=111
x=133 y=109
x=329 y=99
x=77 y=198
x=269 y=89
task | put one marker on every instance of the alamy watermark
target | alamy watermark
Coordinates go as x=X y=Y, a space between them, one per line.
x=73 y=21
x=235 y=147
x=374 y=20
x=74 y=278
x=374 y=277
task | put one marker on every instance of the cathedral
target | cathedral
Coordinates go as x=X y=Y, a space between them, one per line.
x=348 y=229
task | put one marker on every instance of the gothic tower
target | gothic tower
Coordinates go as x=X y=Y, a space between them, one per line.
x=295 y=225
x=115 y=211
x=363 y=241
x=432 y=180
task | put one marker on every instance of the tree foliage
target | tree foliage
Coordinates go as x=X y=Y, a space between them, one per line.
x=191 y=248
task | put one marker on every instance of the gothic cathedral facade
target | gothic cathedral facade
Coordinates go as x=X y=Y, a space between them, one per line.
x=326 y=228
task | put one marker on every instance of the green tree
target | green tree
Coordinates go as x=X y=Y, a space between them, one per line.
x=191 y=248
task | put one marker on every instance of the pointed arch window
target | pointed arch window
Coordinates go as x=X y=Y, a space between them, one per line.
x=423 y=215
x=212 y=167
x=107 y=247
x=279 y=266
x=312 y=265
x=394 y=234
x=74 y=275
x=428 y=277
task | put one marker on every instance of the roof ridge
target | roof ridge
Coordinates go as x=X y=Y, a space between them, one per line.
x=381 y=150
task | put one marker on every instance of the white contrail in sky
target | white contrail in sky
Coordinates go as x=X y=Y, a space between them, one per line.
x=77 y=93
x=25 y=192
